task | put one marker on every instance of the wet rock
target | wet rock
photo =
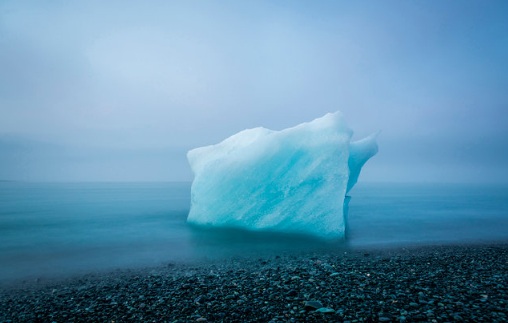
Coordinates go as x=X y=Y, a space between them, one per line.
x=312 y=305
x=325 y=310
x=292 y=293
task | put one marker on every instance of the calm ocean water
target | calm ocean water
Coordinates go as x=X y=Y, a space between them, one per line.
x=55 y=229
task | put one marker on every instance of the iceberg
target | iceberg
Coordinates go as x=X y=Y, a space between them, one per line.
x=294 y=181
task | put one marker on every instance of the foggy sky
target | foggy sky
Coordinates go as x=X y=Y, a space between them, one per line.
x=120 y=90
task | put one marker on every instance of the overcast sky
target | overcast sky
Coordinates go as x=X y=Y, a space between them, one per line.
x=120 y=90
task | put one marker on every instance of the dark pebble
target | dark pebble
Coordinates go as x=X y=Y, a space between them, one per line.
x=312 y=305
x=292 y=293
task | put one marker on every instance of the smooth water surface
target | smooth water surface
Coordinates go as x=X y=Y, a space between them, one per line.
x=54 y=229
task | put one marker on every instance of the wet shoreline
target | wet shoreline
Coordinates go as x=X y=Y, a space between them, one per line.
x=433 y=283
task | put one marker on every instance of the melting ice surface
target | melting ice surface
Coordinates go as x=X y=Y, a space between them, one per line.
x=293 y=181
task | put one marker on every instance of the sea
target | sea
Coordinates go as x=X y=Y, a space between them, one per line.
x=51 y=230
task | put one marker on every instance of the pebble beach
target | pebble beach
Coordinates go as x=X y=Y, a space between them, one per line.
x=424 y=284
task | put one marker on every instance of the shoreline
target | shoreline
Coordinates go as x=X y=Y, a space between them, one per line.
x=411 y=283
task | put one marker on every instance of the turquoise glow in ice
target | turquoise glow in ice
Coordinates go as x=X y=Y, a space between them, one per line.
x=294 y=180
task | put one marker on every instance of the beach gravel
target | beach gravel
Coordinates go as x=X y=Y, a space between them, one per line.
x=424 y=284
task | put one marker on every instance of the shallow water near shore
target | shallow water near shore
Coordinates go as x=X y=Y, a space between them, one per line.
x=55 y=229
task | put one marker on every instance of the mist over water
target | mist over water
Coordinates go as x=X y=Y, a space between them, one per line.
x=387 y=214
x=50 y=229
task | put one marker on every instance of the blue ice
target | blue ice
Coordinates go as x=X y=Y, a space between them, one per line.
x=294 y=181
